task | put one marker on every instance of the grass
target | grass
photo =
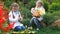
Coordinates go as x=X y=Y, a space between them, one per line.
x=45 y=30
x=49 y=30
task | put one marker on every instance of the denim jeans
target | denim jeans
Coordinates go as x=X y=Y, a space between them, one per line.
x=18 y=28
x=35 y=21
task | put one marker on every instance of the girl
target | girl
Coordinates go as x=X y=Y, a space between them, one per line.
x=37 y=13
x=15 y=16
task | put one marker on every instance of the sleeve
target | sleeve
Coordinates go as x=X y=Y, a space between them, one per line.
x=11 y=19
x=42 y=12
x=31 y=11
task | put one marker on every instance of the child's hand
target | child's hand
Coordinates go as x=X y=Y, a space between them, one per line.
x=20 y=18
x=33 y=9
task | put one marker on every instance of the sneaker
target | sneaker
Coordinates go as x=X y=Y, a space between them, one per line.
x=37 y=29
x=28 y=27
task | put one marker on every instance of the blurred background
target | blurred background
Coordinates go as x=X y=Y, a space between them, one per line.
x=52 y=8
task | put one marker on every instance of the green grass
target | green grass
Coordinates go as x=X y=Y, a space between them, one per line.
x=44 y=30
x=48 y=31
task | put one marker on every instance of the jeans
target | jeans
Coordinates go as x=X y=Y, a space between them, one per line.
x=35 y=21
x=18 y=28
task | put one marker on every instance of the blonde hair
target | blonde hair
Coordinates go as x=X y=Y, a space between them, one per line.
x=40 y=2
x=14 y=5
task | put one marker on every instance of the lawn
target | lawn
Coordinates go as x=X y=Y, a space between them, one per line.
x=44 y=30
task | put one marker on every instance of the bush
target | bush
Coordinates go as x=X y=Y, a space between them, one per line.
x=26 y=13
x=45 y=5
x=56 y=14
x=26 y=21
x=7 y=3
x=56 y=1
x=30 y=4
x=54 y=7
x=49 y=18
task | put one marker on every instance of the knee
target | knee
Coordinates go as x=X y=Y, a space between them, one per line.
x=18 y=28
x=23 y=27
x=33 y=18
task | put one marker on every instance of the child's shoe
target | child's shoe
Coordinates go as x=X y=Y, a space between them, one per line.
x=37 y=29
x=29 y=27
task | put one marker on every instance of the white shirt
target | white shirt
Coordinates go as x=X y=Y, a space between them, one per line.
x=16 y=15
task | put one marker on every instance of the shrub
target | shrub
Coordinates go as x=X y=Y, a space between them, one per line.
x=8 y=3
x=31 y=4
x=45 y=5
x=26 y=21
x=26 y=13
x=56 y=1
x=56 y=14
x=54 y=7
x=50 y=18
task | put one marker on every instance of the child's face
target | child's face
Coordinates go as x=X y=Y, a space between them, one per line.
x=38 y=5
x=14 y=8
x=1 y=5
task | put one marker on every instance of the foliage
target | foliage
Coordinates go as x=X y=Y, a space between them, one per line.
x=7 y=3
x=51 y=17
x=54 y=7
x=26 y=12
x=30 y=4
